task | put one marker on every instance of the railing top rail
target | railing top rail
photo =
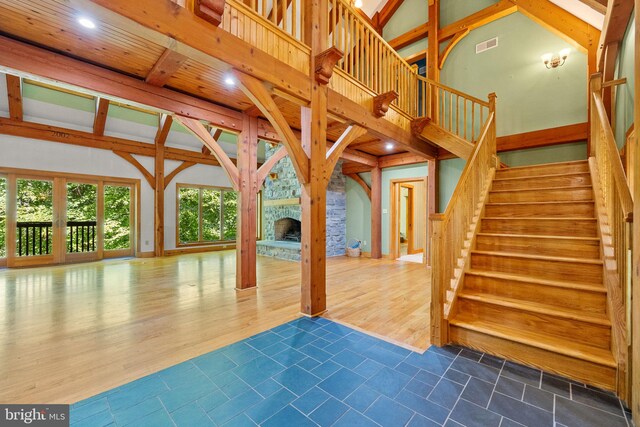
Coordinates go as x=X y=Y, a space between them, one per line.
x=348 y=6
x=454 y=91
x=470 y=165
x=616 y=166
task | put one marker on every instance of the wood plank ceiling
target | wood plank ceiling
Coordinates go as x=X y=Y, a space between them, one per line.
x=53 y=25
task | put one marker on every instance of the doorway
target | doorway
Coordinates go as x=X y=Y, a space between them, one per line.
x=48 y=218
x=408 y=222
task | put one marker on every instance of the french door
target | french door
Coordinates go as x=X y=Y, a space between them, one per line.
x=47 y=219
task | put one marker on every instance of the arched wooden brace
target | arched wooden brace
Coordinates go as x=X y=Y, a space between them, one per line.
x=360 y=181
x=352 y=133
x=452 y=43
x=266 y=167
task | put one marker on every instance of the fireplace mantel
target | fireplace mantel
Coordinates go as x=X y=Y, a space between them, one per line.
x=283 y=202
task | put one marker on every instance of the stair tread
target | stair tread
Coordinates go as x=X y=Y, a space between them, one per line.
x=545 y=282
x=568 y=188
x=553 y=202
x=551 y=175
x=538 y=257
x=536 y=339
x=536 y=307
x=539 y=236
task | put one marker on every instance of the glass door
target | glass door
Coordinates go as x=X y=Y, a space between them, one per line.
x=81 y=221
x=118 y=220
x=3 y=221
x=34 y=228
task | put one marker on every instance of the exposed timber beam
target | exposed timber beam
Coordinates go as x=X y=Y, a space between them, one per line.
x=387 y=11
x=413 y=35
x=599 y=6
x=618 y=14
x=571 y=28
x=162 y=22
x=350 y=110
x=182 y=166
x=164 y=127
x=352 y=133
x=147 y=175
x=100 y=118
x=360 y=181
x=14 y=92
x=359 y=157
x=483 y=17
x=169 y=62
x=433 y=43
x=266 y=167
x=255 y=90
x=452 y=43
x=201 y=132
x=401 y=159
x=349 y=168
x=544 y=137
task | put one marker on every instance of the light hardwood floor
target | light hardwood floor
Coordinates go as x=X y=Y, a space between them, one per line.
x=69 y=332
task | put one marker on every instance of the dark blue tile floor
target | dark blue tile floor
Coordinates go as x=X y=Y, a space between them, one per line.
x=312 y=372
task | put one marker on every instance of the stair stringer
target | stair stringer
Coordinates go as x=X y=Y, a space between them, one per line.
x=464 y=259
x=615 y=303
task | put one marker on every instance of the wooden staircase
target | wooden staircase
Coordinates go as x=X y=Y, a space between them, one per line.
x=533 y=290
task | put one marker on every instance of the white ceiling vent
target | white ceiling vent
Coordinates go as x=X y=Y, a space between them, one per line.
x=486 y=45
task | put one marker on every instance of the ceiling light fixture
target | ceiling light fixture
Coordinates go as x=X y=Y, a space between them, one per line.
x=86 y=22
x=389 y=146
x=357 y=3
x=554 y=61
x=229 y=81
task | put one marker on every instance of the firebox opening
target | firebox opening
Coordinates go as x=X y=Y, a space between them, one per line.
x=288 y=230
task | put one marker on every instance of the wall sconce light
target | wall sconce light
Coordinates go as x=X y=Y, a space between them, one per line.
x=554 y=61
x=273 y=176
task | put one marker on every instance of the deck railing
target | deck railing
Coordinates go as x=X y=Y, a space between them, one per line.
x=454 y=111
x=614 y=206
x=36 y=237
x=450 y=230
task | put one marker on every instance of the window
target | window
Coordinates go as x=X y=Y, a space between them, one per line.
x=206 y=214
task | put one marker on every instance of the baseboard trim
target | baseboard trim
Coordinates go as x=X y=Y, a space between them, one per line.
x=149 y=254
x=199 y=249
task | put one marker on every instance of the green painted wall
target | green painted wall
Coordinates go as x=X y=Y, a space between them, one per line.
x=449 y=174
x=455 y=10
x=554 y=153
x=409 y=15
x=359 y=206
x=530 y=97
x=54 y=97
x=624 y=94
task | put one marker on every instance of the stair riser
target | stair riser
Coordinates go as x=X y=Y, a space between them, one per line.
x=570 y=329
x=541 y=269
x=539 y=246
x=588 y=302
x=579 y=370
x=542 y=182
x=556 y=227
x=560 y=210
x=551 y=169
x=549 y=195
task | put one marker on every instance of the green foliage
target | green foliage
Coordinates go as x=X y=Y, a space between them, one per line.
x=117 y=214
x=82 y=202
x=35 y=200
x=217 y=222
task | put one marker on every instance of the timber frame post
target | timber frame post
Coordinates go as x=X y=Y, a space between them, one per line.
x=376 y=213
x=161 y=137
x=246 y=234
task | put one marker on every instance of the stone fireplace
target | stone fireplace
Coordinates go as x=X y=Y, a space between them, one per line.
x=288 y=230
x=282 y=212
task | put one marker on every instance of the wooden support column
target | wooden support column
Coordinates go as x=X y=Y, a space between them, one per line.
x=247 y=163
x=635 y=276
x=314 y=193
x=161 y=138
x=433 y=199
x=376 y=213
x=433 y=72
x=14 y=92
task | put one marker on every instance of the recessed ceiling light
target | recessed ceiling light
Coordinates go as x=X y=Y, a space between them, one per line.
x=86 y=22
x=229 y=81
x=389 y=146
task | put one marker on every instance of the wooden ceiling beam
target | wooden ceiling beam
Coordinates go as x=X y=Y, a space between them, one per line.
x=401 y=159
x=161 y=22
x=100 y=118
x=561 y=22
x=387 y=12
x=483 y=17
x=166 y=66
x=413 y=35
x=617 y=18
x=349 y=168
x=86 y=139
x=14 y=92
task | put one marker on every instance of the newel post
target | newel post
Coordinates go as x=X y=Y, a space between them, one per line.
x=439 y=326
x=595 y=86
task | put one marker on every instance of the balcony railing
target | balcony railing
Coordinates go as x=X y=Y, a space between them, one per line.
x=36 y=238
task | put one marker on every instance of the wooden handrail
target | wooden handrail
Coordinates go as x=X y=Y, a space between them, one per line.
x=454 y=91
x=616 y=165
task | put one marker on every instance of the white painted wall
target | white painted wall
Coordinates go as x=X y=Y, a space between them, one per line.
x=26 y=153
